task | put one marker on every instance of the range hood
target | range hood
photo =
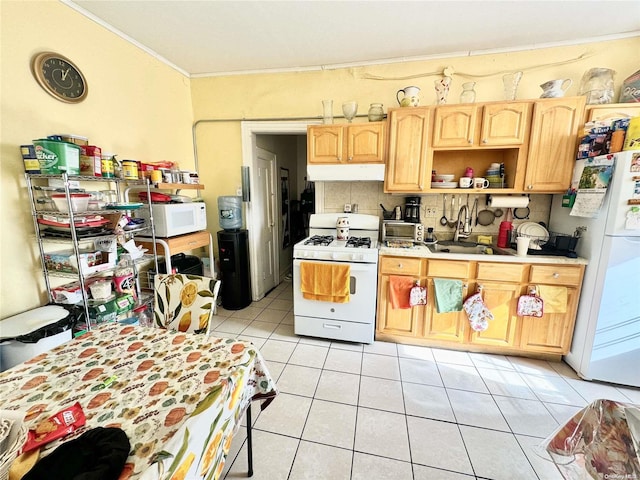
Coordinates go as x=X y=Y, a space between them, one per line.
x=345 y=173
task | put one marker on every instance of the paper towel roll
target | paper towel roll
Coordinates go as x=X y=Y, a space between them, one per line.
x=508 y=201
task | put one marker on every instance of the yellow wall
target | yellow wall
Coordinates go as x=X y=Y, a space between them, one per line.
x=137 y=107
x=299 y=94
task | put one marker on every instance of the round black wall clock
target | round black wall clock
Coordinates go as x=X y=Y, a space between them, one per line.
x=59 y=77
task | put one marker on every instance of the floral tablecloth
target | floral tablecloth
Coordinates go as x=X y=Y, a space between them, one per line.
x=179 y=397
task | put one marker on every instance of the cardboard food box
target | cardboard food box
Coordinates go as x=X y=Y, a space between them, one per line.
x=107 y=311
x=88 y=262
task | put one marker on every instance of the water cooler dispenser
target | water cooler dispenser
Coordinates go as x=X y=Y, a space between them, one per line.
x=233 y=247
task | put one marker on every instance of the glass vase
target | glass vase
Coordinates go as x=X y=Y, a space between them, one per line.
x=442 y=90
x=511 y=81
x=468 y=94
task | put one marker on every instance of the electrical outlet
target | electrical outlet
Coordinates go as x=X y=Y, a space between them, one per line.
x=239 y=192
x=430 y=211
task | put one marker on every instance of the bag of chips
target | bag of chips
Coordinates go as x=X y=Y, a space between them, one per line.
x=57 y=426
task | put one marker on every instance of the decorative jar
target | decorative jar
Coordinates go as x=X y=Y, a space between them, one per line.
x=376 y=113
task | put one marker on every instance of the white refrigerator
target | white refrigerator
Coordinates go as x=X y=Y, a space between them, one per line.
x=606 y=340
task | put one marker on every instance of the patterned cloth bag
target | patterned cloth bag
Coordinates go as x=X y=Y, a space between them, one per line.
x=418 y=295
x=531 y=305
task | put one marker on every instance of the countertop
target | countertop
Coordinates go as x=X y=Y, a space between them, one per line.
x=422 y=251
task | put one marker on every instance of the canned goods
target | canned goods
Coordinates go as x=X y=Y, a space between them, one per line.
x=186 y=177
x=156 y=176
x=130 y=169
x=107 y=165
x=31 y=162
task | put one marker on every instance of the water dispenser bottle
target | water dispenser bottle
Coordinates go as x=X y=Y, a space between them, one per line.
x=230 y=212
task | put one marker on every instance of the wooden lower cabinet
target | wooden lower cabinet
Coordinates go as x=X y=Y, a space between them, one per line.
x=451 y=326
x=396 y=321
x=502 y=300
x=549 y=336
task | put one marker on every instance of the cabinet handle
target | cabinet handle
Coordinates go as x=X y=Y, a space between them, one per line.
x=339 y=159
x=556 y=275
x=399 y=265
x=484 y=140
x=420 y=187
x=350 y=158
x=470 y=141
x=529 y=187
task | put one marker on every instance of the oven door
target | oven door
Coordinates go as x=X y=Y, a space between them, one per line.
x=352 y=321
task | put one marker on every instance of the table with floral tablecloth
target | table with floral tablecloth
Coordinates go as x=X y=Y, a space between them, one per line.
x=179 y=397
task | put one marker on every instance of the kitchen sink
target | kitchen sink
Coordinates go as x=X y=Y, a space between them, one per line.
x=466 y=248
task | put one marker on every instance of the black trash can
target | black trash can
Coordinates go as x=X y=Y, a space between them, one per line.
x=183 y=264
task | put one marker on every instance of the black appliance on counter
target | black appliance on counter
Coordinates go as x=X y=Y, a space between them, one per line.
x=412 y=210
x=235 y=290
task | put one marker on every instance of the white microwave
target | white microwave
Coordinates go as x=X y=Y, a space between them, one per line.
x=173 y=219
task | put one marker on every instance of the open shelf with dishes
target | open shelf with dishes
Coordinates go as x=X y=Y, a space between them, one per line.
x=86 y=233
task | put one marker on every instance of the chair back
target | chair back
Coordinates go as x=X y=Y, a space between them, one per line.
x=184 y=302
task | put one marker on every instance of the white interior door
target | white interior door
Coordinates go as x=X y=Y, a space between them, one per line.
x=264 y=202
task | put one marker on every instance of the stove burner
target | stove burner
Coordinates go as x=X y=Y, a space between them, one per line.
x=359 y=242
x=323 y=240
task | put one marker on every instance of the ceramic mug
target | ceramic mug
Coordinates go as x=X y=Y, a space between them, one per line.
x=480 y=182
x=465 y=182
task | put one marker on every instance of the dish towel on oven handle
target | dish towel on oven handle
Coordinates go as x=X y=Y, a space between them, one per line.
x=477 y=312
x=448 y=295
x=400 y=291
x=325 y=282
x=530 y=305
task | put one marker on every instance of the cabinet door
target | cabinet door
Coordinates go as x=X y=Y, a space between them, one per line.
x=451 y=326
x=455 y=126
x=501 y=299
x=505 y=123
x=398 y=321
x=325 y=144
x=612 y=112
x=366 y=142
x=406 y=169
x=552 y=332
x=552 y=147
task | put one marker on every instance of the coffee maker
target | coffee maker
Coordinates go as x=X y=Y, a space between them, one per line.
x=412 y=210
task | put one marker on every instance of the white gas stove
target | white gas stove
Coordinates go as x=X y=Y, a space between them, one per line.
x=355 y=320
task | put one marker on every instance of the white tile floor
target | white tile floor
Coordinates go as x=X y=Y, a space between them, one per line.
x=391 y=411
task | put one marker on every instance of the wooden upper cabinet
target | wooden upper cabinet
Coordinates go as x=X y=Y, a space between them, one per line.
x=455 y=126
x=366 y=142
x=408 y=158
x=505 y=123
x=552 y=147
x=343 y=144
x=610 y=112
x=325 y=144
x=472 y=126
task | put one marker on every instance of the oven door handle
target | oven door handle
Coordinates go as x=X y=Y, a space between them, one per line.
x=333 y=326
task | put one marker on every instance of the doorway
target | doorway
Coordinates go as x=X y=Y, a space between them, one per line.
x=266 y=245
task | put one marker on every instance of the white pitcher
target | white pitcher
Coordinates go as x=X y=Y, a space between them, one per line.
x=555 y=88
x=410 y=97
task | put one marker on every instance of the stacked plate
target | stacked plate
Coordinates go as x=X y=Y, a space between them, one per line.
x=536 y=232
x=493 y=176
x=447 y=180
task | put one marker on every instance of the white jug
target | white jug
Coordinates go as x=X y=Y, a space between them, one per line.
x=410 y=97
x=555 y=88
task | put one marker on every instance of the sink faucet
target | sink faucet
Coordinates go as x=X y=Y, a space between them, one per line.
x=463 y=227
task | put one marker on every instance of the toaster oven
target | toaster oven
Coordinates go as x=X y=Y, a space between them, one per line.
x=395 y=230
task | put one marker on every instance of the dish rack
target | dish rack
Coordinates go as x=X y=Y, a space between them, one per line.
x=560 y=244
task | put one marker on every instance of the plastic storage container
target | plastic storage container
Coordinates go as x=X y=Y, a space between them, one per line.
x=79 y=202
x=57 y=157
x=34 y=332
x=230 y=212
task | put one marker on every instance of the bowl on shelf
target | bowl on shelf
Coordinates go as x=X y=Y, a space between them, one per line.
x=444 y=178
x=79 y=202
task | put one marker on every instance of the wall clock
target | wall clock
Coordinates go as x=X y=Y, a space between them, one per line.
x=59 y=77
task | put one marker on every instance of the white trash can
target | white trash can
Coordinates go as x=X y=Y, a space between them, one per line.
x=33 y=332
